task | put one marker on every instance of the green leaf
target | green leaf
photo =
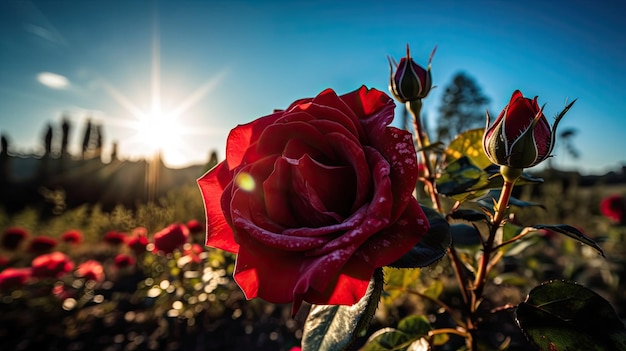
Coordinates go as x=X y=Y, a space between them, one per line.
x=397 y=281
x=572 y=233
x=433 y=245
x=561 y=315
x=406 y=337
x=434 y=289
x=469 y=144
x=465 y=236
x=335 y=327
x=461 y=179
x=469 y=215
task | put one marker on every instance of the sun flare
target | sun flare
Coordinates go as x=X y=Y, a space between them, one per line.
x=159 y=131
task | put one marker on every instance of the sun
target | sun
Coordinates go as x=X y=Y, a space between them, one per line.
x=159 y=132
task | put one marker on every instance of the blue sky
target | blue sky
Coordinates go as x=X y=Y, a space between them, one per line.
x=219 y=64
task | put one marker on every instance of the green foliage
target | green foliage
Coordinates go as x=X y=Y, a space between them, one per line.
x=561 y=315
x=410 y=334
x=335 y=327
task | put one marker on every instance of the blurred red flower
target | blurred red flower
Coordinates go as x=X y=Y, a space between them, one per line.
x=614 y=208
x=171 y=238
x=91 y=270
x=12 y=278
x=123 y=260
x=193 y=251
x=138 y=240
x=61 y=292
x=195 y=227
x=41 y=244
x=13 y=236
x=52 y=265
x=114 y=238
x=74 y=236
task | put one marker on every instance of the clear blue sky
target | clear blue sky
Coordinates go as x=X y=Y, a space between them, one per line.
x=219 y=64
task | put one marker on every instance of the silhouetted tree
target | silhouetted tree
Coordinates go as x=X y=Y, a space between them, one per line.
x=462 y=107
x=114 y=151
x=65 y=128
x=86 y=138
x=4 y=143
x=212 y=160
x=48 y=141
x=98 y=141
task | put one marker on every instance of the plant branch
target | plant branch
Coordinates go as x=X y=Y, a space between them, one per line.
x=462 y=333
x=441 y=304
x=510 y=175
x=415 y=107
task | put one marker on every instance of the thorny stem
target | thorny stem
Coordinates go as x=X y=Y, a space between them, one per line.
x=510 y=175
x=415 y=107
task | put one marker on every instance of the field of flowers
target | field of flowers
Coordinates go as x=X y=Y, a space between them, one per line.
x=128 y=280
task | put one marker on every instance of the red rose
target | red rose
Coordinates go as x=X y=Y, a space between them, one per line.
x=114 y=238
x=138 y=240
x=122 y=261
x=195 y=226
x=41 y=243
x=72 y=237
x=12 y=278
x=171 y=238
x=314 y=198
x=13 y=236
x=91 y=270
x=614 y=208
x=51 y=265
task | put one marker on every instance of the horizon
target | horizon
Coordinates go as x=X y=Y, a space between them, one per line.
x=212 y=65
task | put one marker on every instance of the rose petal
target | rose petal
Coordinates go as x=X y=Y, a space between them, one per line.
x=391 y=243
x=275 y=137
x=331 y=186
x=212 y=184
x=396 y=146
x=367 y=102
x=242 y=136
x=352 y=153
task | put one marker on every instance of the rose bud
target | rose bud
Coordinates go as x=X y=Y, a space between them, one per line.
x=12 y=237
x=521 y=136
x=314 y=198
x=410 y=81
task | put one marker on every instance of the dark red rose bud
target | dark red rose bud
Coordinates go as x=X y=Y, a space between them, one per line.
x=13 y=236
x=521 y=137
x=72 y=237
x=409 y=81
x=41 y=243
